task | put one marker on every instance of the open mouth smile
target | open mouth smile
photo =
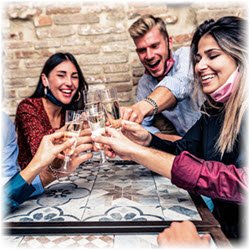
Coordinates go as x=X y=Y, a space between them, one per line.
x=207 y=77
x=153 y=65
x=67 y=92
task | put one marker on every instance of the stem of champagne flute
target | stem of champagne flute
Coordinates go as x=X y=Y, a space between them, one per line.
x=65 y=164
x=103 y=156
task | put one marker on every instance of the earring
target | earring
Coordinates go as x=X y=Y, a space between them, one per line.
x=79 y=96
x=45 y=91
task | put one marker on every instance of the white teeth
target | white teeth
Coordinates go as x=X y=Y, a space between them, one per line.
x=67 y=91
x=152 y=64
x=207 y=77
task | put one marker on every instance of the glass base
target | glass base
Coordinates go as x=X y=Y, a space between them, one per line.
x=60 y=170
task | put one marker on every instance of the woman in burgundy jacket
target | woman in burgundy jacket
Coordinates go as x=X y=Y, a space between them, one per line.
x=60 y=87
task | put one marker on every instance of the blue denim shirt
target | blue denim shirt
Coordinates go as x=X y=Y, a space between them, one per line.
x=179 y=81
x=10 y=153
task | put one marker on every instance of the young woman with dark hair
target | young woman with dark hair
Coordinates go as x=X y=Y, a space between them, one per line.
x=60 y=87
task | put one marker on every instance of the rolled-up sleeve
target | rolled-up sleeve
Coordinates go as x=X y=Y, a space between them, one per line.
x=210 y=178
x=147 y=123
x=180 y=81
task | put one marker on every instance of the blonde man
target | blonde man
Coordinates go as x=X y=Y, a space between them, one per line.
x=167 y=84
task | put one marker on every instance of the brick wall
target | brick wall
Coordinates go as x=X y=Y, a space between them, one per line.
x=96 y=34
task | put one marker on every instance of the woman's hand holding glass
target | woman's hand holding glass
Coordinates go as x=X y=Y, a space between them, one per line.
x=136 y=133
x=71 y=131
x=49 y=154
x=82 y=153
x=116 y=143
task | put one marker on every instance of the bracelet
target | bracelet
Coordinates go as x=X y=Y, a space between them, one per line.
x=153 y=103
x=53 y=172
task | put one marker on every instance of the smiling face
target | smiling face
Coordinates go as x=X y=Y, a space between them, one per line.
x=63 y=81
x=213 y=66
x=153 y=51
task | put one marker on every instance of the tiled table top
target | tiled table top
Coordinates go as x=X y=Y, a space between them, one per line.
x=104 y=193
x=109 y=193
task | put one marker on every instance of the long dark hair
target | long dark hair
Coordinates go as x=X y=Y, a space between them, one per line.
x=54 y=60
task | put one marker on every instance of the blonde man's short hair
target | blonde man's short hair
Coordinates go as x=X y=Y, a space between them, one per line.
x=144 y=24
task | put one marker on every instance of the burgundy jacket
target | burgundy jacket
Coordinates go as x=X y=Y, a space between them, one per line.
x=32 y=123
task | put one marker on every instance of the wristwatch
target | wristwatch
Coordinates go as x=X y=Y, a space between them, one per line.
x=153 y=103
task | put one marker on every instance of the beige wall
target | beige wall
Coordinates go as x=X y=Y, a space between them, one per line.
x=96 y=34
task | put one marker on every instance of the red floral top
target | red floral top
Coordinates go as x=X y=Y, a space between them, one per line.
x=32 y=123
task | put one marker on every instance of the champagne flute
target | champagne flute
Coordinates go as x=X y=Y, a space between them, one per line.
x=91 y=96
x=83 y=119
x=111 y=106
x=96 y=119
x=84 y=126
x=72 y=127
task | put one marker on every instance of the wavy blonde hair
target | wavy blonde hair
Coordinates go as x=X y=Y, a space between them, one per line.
x=231 y=35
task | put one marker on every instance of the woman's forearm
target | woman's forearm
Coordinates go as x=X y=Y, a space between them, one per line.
x=31 y=171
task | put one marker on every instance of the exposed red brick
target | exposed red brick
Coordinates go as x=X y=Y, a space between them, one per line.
x=41 y=21
x=62 y=10
x=182 y=38
x=26 y=54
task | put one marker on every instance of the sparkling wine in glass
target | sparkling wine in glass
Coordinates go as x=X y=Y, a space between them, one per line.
x=111 y=106
x=73 y=125
x=72 y=131
x=96 y=119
